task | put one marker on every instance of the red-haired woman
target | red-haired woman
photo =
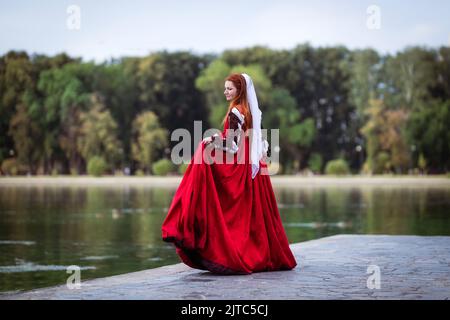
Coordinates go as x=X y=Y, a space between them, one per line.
x=224 y=216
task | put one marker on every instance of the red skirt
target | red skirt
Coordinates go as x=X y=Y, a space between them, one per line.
x=222 y=220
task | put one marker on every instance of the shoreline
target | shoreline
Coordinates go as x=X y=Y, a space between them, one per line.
x=283 y=181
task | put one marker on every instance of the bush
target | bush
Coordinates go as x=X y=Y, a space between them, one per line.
x=119 y=173
x=12 y=167
x=182 y=168
x=337 y=167
x=422 y=162
x=315 y=162
x=9 y=167
x=139 y=173
x=97 y=166
x=162 y=167
x=382 y=163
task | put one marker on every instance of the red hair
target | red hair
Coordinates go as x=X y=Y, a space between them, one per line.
x=240 y=101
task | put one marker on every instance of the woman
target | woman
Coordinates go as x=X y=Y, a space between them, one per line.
x=224 y=216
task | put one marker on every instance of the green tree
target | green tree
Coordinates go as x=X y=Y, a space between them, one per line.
x=318 y=79
x=211 y=83
x=320 y=98
x=296 y=135
x=118 y=84
x=385 y=133
x=167 y=87
x=25 y=132
x=55 y=103
x=149 y=140
x=408 y=76
x=99 y=134
x=429 y=132
x=440 y=90
x=70 y=133
x=365 y=77
x=15 y=79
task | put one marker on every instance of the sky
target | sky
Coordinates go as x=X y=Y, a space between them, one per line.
x=113 y=29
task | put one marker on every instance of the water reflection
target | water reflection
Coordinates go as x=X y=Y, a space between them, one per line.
x=107 y=231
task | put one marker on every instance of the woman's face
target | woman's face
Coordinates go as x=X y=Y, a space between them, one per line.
x=230 y=90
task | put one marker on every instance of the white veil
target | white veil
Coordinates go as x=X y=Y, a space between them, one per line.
x=256 y=146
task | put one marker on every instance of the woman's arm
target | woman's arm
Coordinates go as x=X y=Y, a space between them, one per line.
x=235 y=123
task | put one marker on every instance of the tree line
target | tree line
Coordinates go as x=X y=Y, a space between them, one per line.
x=352 y=110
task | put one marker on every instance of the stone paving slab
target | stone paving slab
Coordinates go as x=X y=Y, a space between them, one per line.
x=336 y=267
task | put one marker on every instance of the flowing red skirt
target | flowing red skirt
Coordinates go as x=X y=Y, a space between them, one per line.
x=222 y=220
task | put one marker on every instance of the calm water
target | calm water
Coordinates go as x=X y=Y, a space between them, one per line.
x=108 y=231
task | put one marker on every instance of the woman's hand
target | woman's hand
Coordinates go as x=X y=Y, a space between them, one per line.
x=208 y=140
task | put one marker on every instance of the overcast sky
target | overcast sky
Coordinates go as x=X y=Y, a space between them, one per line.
x=136 y=28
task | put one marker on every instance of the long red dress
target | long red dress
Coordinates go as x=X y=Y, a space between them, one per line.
x=222 y=220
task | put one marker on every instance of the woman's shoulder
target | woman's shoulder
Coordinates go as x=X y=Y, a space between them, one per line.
x=239 y=108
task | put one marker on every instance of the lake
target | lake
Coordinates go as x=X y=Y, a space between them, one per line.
x=109 y=230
